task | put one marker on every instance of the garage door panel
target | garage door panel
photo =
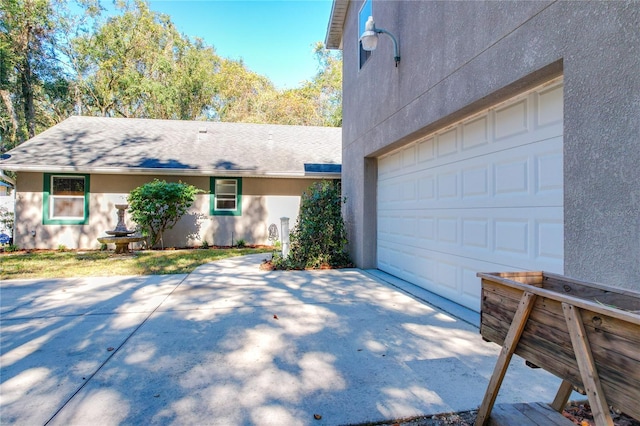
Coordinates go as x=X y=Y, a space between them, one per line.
x=485 y=194
x=510 y=127
x=549 y=106
x=520 y=236
x=448 y=275
x=525 y=177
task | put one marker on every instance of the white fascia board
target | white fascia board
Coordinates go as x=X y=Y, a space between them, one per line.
x=171 y=172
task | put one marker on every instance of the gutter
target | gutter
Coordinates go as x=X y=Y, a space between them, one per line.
x=7 y=179
x=172 y=172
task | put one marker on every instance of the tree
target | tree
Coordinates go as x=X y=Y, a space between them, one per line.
x=55 y=62
x=34 y=88
x=319 y=238
x=25 y=35
x=326 y=86
x=138 y=65
x=157 y=206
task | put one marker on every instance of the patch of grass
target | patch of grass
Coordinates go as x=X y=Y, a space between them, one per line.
x=57 y=264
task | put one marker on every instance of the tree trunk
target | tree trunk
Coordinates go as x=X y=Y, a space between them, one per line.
x=27 y=96
x=11 y=112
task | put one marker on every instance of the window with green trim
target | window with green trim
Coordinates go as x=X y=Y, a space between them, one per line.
x=226 y=196
x=65 y=199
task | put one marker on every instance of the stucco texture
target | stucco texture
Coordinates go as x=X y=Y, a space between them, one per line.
x=459 y=58
x=264 y=202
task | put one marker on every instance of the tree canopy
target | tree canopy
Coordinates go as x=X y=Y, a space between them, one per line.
x=135 y=63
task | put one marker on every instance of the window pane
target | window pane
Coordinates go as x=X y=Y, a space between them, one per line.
x=67 y=207
x=67 y=185
x=224 y=186
x=364 y=14
x=225 y=204
x=226 y=193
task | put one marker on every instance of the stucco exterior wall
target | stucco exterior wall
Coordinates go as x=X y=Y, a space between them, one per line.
x=264 y=201
x=461 y=57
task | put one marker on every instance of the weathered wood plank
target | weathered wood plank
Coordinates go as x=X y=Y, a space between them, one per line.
x=542 y=414
x=545 y=340
x=620 y=364
x=618 y=299
x=622 y=390
x=590 y=378
x=581 y=303
x=508 y=348
x=508 y=415
x=562 y=397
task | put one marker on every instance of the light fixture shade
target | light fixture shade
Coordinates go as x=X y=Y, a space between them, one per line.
x=369 y=40
x=369 y=37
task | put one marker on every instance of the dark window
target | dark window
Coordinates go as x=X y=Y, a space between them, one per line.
x=365 y=12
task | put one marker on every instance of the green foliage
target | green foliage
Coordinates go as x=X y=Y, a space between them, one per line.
x=319 y=238
x=57 y=60
x=62 y=247
x=10 y=248
x=157 y=206
x=205 y=245
x=241 y=243
x=103 y=247
x=7 y=219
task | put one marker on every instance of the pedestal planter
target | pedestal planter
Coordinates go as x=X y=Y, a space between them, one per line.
x=587 y=334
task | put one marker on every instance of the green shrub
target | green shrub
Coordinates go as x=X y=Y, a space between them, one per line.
x=157 y=206
x=62 y=247
x=10 y=248
x=319 y=239
x=205 y=244
x=241 y=243
x=7 y=219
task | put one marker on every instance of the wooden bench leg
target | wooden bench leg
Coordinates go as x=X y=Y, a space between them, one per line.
x=508 y=348
x=587 y=366
x=562 y=397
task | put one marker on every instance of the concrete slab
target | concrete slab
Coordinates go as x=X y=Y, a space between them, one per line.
x=230 y=344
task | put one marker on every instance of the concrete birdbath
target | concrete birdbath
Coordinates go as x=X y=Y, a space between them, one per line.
x=120 y=236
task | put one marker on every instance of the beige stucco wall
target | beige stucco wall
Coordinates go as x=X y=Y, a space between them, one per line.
x=264 y=202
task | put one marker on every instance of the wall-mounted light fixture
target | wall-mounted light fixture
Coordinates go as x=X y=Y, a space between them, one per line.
x=369 y=38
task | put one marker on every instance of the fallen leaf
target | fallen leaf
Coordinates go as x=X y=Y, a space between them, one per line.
x=275 y=317
x=156 y=395
x=317 y=416
x=110 y=348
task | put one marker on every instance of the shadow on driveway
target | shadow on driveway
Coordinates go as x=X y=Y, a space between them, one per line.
x=231 y=344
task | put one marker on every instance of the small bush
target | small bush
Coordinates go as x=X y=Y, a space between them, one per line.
x=205 y=245
x=103 y=247
x=11 y=248
x=319 y=239
x=62 y=247
x=6 y=219
x=157 y=206
x=241 y=243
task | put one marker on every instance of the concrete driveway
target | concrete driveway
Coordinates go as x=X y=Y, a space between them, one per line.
x=231 y=345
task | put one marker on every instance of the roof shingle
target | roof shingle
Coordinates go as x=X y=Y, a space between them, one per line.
x=131 y=145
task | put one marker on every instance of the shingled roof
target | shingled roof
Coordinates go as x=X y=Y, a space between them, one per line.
x=143 y=146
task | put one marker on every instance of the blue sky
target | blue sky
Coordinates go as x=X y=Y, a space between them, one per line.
x=274 y=38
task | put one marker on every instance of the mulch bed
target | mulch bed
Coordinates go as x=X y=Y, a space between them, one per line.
x=579 y=413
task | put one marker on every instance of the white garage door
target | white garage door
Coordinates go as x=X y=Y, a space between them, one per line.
x=482 y=195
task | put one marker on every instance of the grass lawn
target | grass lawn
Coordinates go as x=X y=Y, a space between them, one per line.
x=62 y=264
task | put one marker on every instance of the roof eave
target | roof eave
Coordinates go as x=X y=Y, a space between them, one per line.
x=333 y=39
x=172 y=172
